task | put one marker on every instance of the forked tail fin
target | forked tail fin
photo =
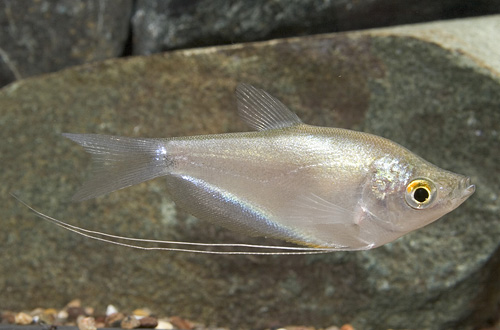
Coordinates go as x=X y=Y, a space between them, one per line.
x=120 y=162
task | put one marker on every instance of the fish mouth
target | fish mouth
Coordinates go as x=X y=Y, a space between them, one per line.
x=466 y=187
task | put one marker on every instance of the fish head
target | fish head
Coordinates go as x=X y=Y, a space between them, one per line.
x=407 y=193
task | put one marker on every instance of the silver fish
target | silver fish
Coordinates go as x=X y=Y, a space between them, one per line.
x=320 y=187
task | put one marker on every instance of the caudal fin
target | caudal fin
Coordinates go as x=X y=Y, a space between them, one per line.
x=119 y=162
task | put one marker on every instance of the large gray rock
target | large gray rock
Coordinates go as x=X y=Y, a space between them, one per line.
x=45 y=36
x=160 y=25
x=434 y=88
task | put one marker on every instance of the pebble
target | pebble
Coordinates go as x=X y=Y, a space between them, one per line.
x=100 y=321
x=23 y=318
x=9 y=317
x=62 y=316
x=74 y=312
x=111 y=310
x=148 y=322
x=141 y=312
x=36 y=312
x=74 y=303
x=164 y=324
x=89 y=310
x=130 y=322
x=114 y=320
x=86 y=323
x=47 y=319
x=138 y=318
x=180 y=323
x=48 y=311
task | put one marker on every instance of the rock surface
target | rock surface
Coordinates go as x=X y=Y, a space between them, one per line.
x=44 y=36
x=423 y=86
x=160 y=25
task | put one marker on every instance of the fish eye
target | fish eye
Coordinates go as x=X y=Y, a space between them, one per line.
x=420 y=193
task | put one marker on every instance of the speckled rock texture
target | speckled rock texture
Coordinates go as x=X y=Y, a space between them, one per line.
x=434 y=88
x=44 y=36
x=160 y=25
x=39 y=36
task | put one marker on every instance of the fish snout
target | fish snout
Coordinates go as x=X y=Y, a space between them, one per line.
x=466 y=188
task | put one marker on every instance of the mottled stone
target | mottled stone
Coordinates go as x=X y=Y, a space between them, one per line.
x=45 y=36
x=74 y=312
x=130 y=322
x=166 y=24
x=434 y=88
x=148 y=322
x=23 y=318
x=86 y=323
x=114 y=320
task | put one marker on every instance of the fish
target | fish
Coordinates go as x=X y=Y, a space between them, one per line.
x=322 y=188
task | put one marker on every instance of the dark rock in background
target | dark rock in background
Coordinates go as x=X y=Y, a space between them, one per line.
x=45 y=36
x=434 y=88
x=159 y=25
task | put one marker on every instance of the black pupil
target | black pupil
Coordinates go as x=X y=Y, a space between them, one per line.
x=421 y=195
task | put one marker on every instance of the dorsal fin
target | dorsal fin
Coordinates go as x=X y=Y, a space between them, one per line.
x=262 y=111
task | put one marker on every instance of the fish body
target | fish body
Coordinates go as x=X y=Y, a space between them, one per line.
x=315 y=186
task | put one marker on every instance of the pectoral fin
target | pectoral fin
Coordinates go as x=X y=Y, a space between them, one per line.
x=327 y=223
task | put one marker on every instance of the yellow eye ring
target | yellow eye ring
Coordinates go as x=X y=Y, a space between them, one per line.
x=420 y=193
